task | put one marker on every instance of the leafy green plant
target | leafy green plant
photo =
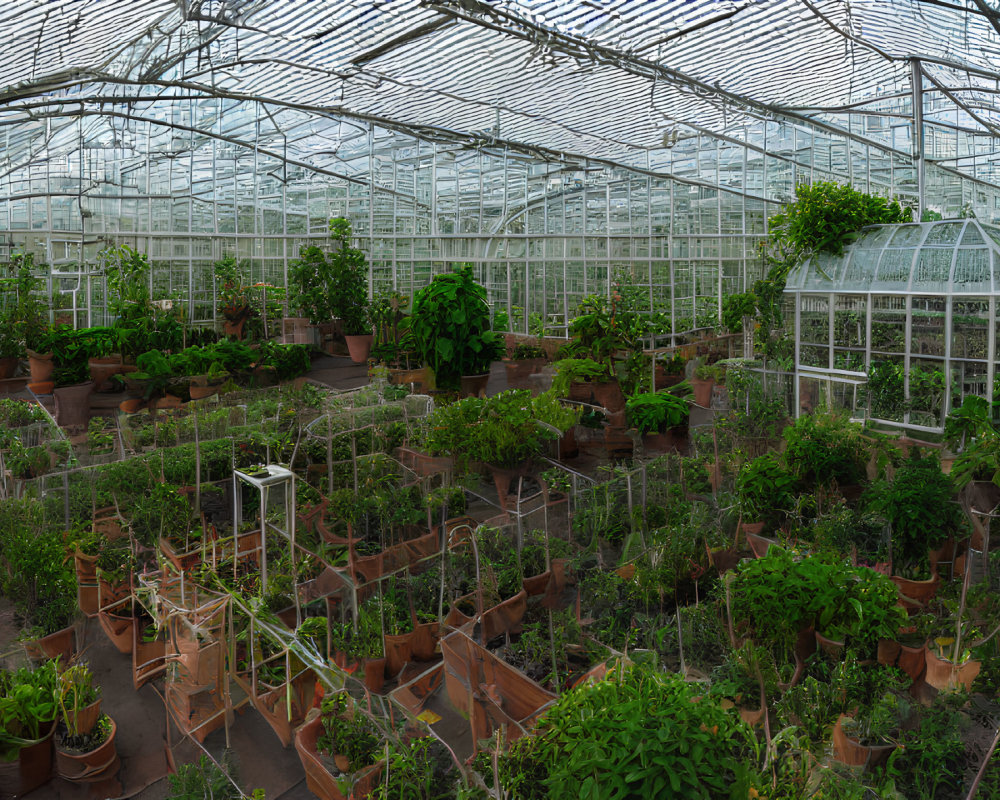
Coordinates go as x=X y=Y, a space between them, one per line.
x=735 y=307
x=75 y=691
x=765 y=490
x=918 y=505
x=203 y=780
x=826 y=216
x=775 y=597
x=657 y=411
x=347 y=733
x=451 y=329
x=595 y=741
x=822 y=449
x=27 y=701
x=578 y=370
x=236 y=298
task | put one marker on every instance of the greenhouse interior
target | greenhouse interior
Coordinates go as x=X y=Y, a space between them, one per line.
x=499 y=400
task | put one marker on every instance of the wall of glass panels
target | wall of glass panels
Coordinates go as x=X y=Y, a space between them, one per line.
x=189 y=182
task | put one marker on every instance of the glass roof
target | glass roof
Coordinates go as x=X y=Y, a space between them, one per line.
x=601 y=79
x=945 y=257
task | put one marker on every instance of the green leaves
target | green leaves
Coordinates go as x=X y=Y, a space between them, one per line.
x=639 y=733
x=451 y=327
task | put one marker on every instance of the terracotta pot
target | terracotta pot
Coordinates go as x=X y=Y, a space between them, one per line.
x=609 y=395
x=84 y=720
x=148 y=658
x=912 y=661
x=568 y=447
x=398 y=651
x=183 y=560
x=319 y=780
x=32 y=767
x=200 y=392
x=474 y=385
x=101 y=370
x=359 y=346
x=755 y=528
x=504 y=478
x=88 y=767
x=61 y=645
x=919 y=592
x=41 y=365
x=132 y=405
x=760 y=544
x=984 y=496
x=41 y=387
x=505 y=617
x=537 y=584
x=421 y=380
x=374 y=674
x=945 y=675
x=234 y=329
x=424 y=642
x=581 y=392
x=702 y=391
x=119 y=629
x=851 y=752
x=8 y=366
x=831 y=647
x=888 y=652
x=73 y=404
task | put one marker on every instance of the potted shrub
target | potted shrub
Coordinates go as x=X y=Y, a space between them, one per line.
x=236 y=302
x=38 y=578
x=451 y=328
x=654 y=413
x=765 y=492
x=918 y=506
x=79 y=699
x=350 y=291
x=867 y=738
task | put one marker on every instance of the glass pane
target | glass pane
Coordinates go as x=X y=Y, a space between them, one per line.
x=907 y=235
x=972 y=236
x=927 y=326
x=895 y=267
x=933 y=268
x=944 y=233
x=972 y=269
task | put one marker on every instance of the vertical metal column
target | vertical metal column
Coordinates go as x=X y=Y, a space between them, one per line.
x=917 y=85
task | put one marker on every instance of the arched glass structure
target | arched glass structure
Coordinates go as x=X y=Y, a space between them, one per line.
x=903 y=325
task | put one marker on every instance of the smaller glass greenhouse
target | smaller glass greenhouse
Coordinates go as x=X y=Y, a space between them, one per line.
x=902 y=326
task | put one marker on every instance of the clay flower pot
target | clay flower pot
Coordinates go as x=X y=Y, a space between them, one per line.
x=88 y=767
x=359 y=346
x=853 y=753
x=945 y=675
